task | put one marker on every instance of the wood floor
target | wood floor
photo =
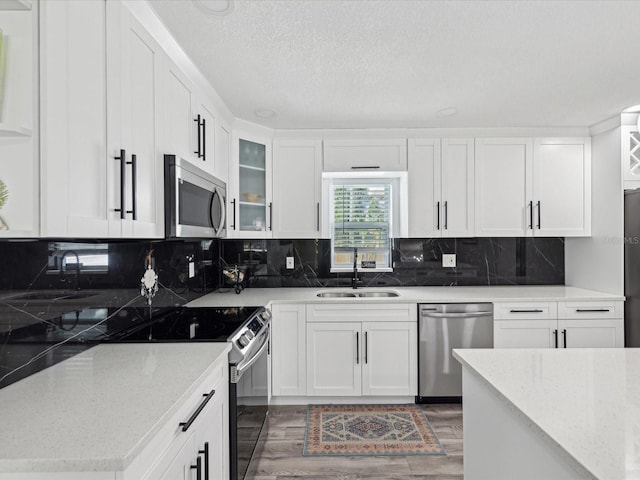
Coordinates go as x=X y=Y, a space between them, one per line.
x=280 y=457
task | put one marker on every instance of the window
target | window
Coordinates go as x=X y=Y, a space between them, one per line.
x=364 y=213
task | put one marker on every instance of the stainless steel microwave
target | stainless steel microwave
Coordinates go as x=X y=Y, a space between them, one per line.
x=194 y=201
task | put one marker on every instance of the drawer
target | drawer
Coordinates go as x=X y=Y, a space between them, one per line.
x=378 y=312
x=521 y=310
x=591 y=309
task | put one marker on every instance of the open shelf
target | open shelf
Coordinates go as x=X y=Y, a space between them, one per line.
x=15 y=5
x=10 y=130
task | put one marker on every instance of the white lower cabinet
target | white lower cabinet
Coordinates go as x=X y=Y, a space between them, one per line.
x=200 y=452
x=561 y=325
x=288 y=350
x=347 y=357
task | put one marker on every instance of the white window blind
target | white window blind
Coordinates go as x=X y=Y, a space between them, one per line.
x=362 y=220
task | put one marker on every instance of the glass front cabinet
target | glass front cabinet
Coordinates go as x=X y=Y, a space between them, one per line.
x=250 y=207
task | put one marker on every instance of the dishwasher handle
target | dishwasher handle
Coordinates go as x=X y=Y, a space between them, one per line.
x=431 y=314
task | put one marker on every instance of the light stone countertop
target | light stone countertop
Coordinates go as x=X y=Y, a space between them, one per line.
x=97 y=410
x=585 y=401
x=263 y=296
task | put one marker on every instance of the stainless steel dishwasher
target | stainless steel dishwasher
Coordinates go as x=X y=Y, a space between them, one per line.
x=443 y=327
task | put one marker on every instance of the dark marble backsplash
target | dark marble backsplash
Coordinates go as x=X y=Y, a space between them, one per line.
x=416 y=262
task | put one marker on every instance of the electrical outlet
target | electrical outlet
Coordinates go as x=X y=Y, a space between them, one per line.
x=448 y=260
x=290 y=263
x=192 y=269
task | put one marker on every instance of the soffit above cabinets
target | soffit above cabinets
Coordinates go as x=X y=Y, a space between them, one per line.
x=388 y=63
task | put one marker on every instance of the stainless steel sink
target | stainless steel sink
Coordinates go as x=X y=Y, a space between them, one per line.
x=358 y=294
x=337 y=295
x=378 y=294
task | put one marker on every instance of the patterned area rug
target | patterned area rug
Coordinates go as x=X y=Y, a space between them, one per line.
x=336 y=430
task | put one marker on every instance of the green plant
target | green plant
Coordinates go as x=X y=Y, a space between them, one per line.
x=4 y=193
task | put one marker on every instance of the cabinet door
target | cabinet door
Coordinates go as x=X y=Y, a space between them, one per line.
x=253 y=185
x=297 y=181
x=604 y=333
x=352 y=155
x=334 y=363
x=562 y=186
x=424 y=188
x=288 y=352
x=177 y=116
x=180 y=466
x=458 y=176
x=223 y=155
x=390 y=358
x=133 y=72
x=73 y=113
x=503 y=187
x=212 y=438
x=536 y=333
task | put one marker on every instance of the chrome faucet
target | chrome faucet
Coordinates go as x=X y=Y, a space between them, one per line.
x=354 y=279
x=64 y=255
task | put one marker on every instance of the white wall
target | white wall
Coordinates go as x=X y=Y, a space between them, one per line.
x=597 y=262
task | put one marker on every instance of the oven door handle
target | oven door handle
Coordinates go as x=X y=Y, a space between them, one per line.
x=246 y=364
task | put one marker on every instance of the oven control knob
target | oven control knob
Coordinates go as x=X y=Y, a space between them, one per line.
x=243 y=341
x=249 y=333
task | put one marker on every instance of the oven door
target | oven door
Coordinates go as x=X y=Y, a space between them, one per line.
x=248 y=400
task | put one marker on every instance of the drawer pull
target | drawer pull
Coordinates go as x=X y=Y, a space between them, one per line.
x=592 y=310
x=208 y=396
x=533 y=310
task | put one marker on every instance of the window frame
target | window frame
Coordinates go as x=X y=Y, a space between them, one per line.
x=398 y=214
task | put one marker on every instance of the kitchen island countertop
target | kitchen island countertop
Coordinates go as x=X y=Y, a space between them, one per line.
x=583 y=404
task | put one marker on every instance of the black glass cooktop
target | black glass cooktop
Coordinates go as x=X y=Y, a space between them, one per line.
x=182 y=324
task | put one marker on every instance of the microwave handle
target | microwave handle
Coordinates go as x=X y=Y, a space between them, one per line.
x=217 y=228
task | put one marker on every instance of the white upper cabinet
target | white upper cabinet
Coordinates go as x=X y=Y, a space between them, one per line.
x=297 y=184
x=250 y=205
x=533 y=187
x=19 y=216
x=348 y=155
x=133 y=72
x=441 y=186
x=101 y=165
x=562 y=186
x=74 y=119
x=504 y=187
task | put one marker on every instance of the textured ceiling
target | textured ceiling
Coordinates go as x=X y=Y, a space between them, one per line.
x=396 y=63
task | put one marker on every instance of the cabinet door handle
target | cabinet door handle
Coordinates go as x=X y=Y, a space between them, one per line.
x=530 y=215
x=587 y=310
x=270 y=215
x=446 y=215
x=205 y=452
x=233 y=202
x=364 y=167
x=123 y=183
x=318 y=216
x=533 y=310
x=564 y=337
x=204 y=139
x=208 y=396
x=555 y=338
x=197 y=120
x=134 y=183
x=366 y=347
x=198 y=468
x=438 y=216
x=357 y=348
x=538 y=205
